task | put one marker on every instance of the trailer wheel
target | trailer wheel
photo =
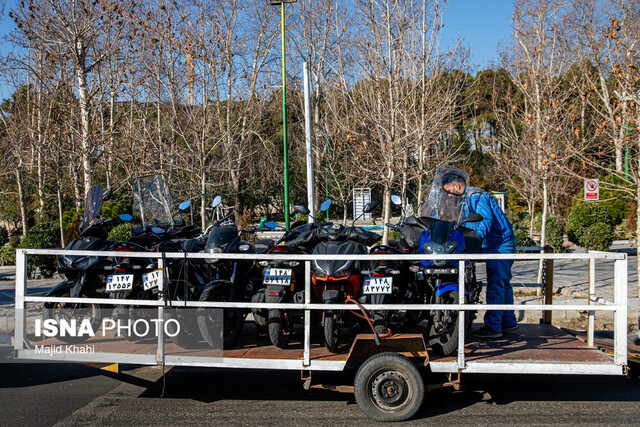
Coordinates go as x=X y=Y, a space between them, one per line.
x=388 y=387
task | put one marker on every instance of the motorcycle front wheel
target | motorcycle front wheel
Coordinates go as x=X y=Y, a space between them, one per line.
x=443 y=327
x=219 y=325
x=331 y=331
x=69 y=311
x=277 y=327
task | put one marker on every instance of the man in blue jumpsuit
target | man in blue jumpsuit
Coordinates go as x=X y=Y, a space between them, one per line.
x=497 y=237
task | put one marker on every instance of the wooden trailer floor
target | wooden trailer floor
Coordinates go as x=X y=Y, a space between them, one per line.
x=531 y=342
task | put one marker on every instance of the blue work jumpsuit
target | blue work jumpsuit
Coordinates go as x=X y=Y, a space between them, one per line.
x=497 y=237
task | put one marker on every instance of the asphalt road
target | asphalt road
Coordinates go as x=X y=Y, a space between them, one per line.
x=78 y=395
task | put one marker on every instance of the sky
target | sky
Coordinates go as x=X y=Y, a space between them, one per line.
x=481 y=23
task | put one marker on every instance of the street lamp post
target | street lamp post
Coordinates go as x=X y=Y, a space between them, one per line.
x=285 y=159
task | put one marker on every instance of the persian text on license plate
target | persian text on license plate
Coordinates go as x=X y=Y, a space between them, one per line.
x=119 y=282
x=277 y=276
x=151 y=280
x=378 y=285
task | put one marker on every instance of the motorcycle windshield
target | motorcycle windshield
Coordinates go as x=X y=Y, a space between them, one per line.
x=152 y=201
x=92 y=205
x=447 y=193
x=222 y=239
x=441 y=231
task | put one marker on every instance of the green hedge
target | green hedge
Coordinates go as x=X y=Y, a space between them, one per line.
x=7 y=256
x=4 y=236
x=522 y=237
x=121 y=233
x=44 y=235
x=555 y=233
x=582 y=217
x=598 y=237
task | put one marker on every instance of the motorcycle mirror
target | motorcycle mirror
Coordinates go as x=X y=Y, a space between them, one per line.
x=302 y=209
x=325 y=205
x=271 y=224
x=396 y=200
x=216 y=201
x=184 y=205
x=125 y=217
x=369 y=207
x=107 y=195
x=157 y=230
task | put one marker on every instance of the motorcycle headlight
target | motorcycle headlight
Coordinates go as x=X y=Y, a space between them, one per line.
x=318 y=271
x=319 y=275
x=342 y=273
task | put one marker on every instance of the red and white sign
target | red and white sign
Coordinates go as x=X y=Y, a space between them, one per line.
x=592 y=189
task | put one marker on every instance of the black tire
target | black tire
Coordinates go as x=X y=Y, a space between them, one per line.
x=260 y=316
x=443 y=337
x=209 y=322
x=57 y=311
x=331 y=331
x=188 y=336
x=388 y=387
x=277 y=327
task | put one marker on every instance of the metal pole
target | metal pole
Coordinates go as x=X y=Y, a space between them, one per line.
x=20 y=307
x=620 y=316
x=592 y=293
x=307 y=125
x=548 y=287
x=461 y=314
x=284 y=124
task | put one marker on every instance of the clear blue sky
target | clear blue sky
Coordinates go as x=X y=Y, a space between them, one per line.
x=481 y=23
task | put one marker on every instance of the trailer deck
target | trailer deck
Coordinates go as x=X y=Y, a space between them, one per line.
x=531 y=343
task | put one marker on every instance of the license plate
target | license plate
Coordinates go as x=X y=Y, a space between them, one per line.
x=277 y=276
x=119 y=282
x=378 y=285
x=151 y=280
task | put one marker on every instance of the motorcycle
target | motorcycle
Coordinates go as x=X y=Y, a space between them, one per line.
x=338 y=281
x=284 y=281
x=234 y=280
x=392 y=282
x=86 y=276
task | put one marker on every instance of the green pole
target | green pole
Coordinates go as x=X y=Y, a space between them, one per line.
x=326 y=178
x=284 y=124
x=626 y=151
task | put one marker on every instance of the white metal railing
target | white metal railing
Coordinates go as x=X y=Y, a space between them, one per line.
x=618 y=307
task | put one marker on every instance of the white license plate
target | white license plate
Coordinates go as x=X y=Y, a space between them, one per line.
x=119 y=282
x=151 y=280
x=378 y=285
x=277 y=276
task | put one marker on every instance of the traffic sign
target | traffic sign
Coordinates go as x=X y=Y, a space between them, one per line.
x=592 y=189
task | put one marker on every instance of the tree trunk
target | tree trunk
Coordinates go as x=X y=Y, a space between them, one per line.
x=81 y=73
x=23 y=208
x=203 y=199
x=543 y=228
x=387 y=213
x=60 y=219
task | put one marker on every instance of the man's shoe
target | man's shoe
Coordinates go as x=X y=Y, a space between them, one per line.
x=510 y=328
x=486 y=333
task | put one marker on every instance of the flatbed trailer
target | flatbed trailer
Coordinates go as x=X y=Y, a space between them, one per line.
x=389 y=384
